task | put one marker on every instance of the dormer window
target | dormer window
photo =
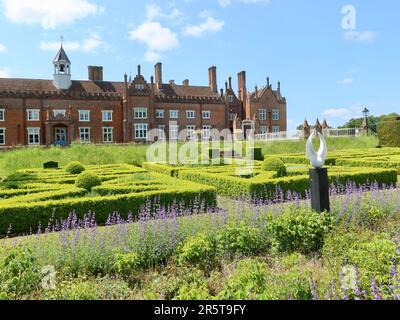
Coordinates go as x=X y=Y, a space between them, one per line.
x=139 y=87
x=230 y=99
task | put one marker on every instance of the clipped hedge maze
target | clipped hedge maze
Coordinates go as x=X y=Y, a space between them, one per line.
x=263 y=185
x=375 y=158
x=30 y=197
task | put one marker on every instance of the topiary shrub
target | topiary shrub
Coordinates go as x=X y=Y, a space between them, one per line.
x=87 y=181
x=389 y=132
x=276 y=165
x=74 y=167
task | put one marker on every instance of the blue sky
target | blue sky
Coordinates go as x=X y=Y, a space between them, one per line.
x=327 y=68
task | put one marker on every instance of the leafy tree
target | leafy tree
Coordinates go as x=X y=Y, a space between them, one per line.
x=372 y=122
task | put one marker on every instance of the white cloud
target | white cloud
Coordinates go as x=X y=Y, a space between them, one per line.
x=152 y=56
x=154 y=12
x=211 y=25
x=346 y=81
x=225 y=3
x=354 y=111
x=94 y=43
x=89 y=45
x=4 y=73
x=338 y=113
x=3 y=48
x=157 y=38
x=55 y=46
x=361 y=36
x=49 y=14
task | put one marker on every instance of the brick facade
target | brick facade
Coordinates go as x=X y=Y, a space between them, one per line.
x=36 y=112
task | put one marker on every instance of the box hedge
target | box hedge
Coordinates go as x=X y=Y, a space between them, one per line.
x=389 y=132
x=23 y=216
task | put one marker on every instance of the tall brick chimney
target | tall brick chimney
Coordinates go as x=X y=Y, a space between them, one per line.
x=242 y=87
x=212 y=79
x=158 y=73
x=95 y=73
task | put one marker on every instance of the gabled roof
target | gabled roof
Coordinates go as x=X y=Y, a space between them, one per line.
x=262 y=91
x=61 y=56
x=24 y=85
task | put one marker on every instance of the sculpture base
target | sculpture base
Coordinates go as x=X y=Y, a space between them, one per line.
x=319 y=190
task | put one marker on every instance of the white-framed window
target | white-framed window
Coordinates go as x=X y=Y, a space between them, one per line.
x=230 y=99
x=108 y=134
x=190 y=114
x=191 y=132
x=2 y=114
x=33 y=136
x=139 y=87
x=107 y=115
x=263 y=129
x=173 y=131
x=276 y=129
x=84 y=115
x=206 y=132
x=2 y=136
x=84 y=134
x=174 y=114
x=206 y=114
x=33 y=114
x=140 y=113
x=275 y=114
x=160 y=113
x=262 y=114
x=161 y=132
x=232 y=116
x=141 y=131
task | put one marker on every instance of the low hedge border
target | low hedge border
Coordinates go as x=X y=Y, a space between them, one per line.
x=263 y=187
x=23 y=216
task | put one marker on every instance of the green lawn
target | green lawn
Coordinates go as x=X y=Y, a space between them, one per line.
x=135 y=154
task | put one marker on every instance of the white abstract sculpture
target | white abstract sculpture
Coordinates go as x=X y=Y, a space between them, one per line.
x=317 y=158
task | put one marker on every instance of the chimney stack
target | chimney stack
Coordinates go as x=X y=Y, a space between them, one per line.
x=95 y=73
x=158 y=68
x=139 y=70
x=242 y=85
x=268 y=84
x=230 y=83
x=186 y=82
x=212 y=76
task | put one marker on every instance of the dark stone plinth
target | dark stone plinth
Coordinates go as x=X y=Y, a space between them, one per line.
x=319 y=190
x=50 y=165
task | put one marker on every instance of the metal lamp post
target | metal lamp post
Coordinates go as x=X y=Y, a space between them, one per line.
x=366 y=124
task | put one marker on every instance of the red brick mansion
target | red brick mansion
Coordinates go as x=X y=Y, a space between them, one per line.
x=62 y=110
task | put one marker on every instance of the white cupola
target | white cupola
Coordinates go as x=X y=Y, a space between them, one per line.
x=62 y=70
